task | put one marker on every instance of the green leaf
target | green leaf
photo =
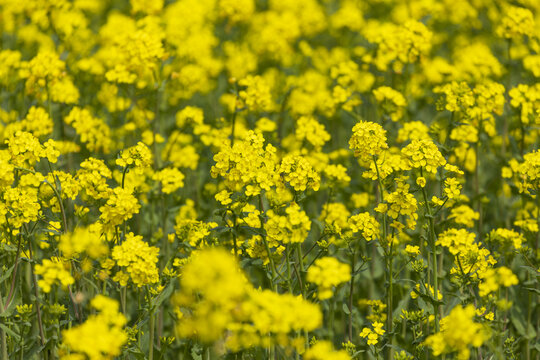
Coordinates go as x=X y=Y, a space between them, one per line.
x=6 y=274
x=403 y=303
x=137 y=353
x=10 y=332
x=518 y=320
x=37 y=348
x=533 y=290
x=196 y=352
x=9 y=310
x=346 y=309
x=165 y=294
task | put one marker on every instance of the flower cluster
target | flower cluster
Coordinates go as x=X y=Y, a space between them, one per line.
x=53 y=271
x=103 y=333
x=138 y=259
x=368 y=140
x=258 y=179
x=458 y=332
x=373 y=335
x=366 y=225
x=328 y=273
x=290 y=228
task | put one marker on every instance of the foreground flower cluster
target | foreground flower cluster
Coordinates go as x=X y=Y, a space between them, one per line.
x=248 y=179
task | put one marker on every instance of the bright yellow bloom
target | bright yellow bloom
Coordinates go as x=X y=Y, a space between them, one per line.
x=373 y=335
x=299 y=173
x=392 y=102
x=516 y=23
x=138 y=258
x=52 y=272
x=458 y=332
x=171 y=179
x=293 y=227
x=84 y=240
x=323 y=350
x=120 y=207
x=368 y=140
x=423 y=154
x=366 y=225
x=101 y=336
x=328 y=273
x=494 y=278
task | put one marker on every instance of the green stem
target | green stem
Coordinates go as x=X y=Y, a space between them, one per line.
x=123 y=291
x=3 y=341
x=233 y=125
x=151 y=326
x=36 y=293
x=12 y=286
x=272 y=265
x=124 y=172
x=235 y=241
x=431 y=238
x=507 y=103
x=288 y=262
x=300 y=282
x=351 y=295
x=331 y=319
x=21 y=344
x=477 y=184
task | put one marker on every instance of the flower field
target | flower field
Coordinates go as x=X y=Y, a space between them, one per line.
x=269 y=179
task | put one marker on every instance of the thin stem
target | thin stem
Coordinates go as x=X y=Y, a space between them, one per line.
x=124 y=175
x=235 y=241
x=3 y=341
x=36 y=293
x=287 y=257
x=331 y=318
x=123 y=291
x=151 y=326
x=351 y=295
x=508 y=83
x=272 y=265
x=302 y=288
x=233 y=125
x=477 y=183
x=431 y=238
x=14 y=277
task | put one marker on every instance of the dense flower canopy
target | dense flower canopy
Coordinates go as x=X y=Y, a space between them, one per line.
x=269 y=179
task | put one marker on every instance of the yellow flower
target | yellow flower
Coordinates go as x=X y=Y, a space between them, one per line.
x=323 y=350
x=423 y=154
x=171 y=179
x=293 y=227
x=138 y=258
x=328 y=273
x=391 y=101
x=84 y=240
x=366 y=225
x=299 y=173
x=458 y=332
x=309 y=129
x=368 y=140
x=101 y=336
x=373 y=335
x=137 y=157
x=516 y=23
x=412 y=250
x=53 y=271
x=452 y=188
x=256 y=94
x=224 y=197
x=120 y=207
x=494 y=278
